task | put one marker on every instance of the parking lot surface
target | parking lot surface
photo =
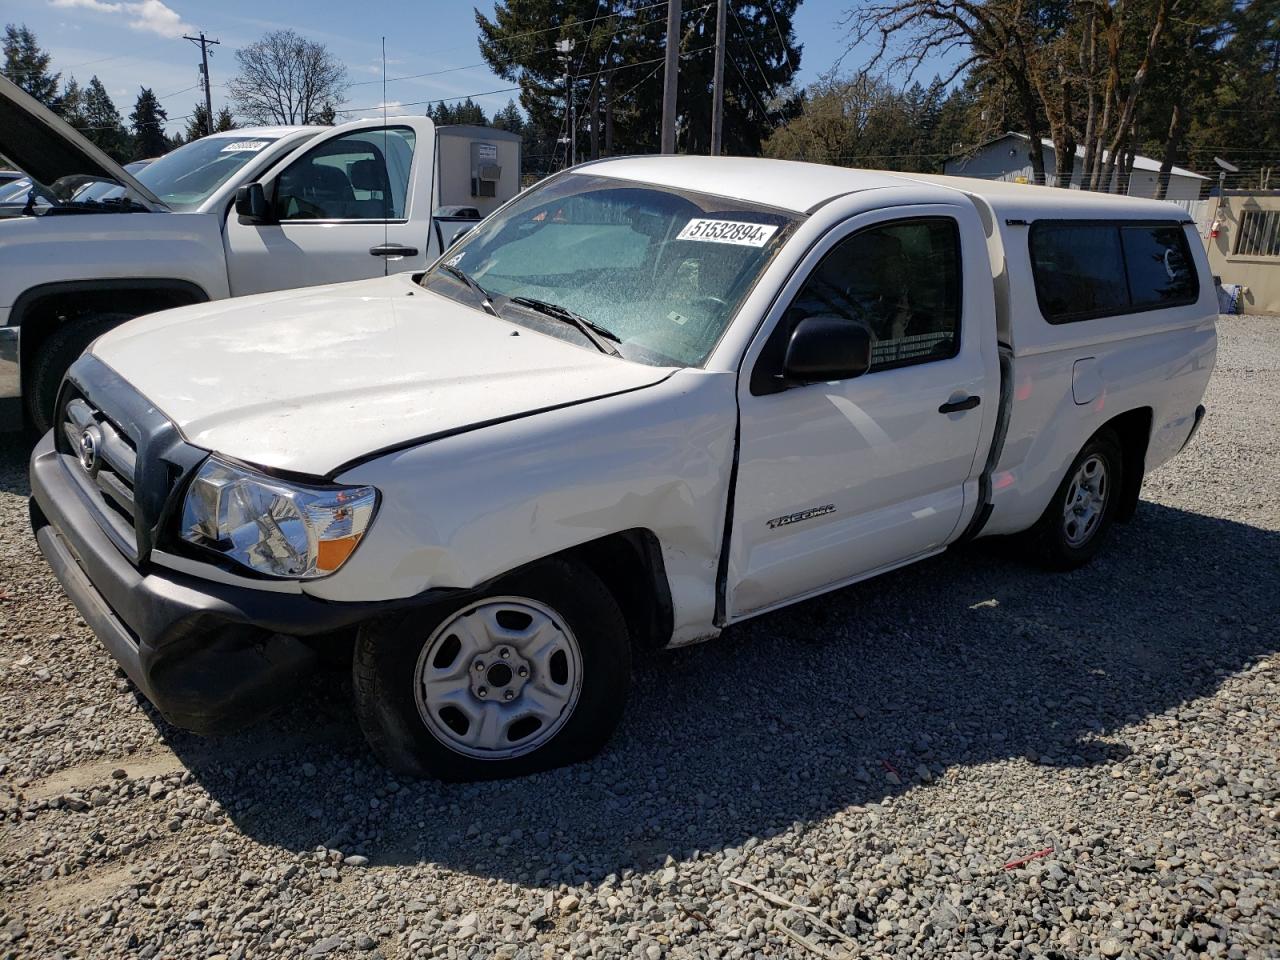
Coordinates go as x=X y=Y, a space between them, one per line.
x=966 y=758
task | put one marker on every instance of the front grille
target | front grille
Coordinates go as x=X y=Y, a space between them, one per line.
x=125 y=455
x=107 y=461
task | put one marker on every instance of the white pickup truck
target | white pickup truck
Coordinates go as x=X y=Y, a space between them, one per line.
x=647 y=399
x=247 y=211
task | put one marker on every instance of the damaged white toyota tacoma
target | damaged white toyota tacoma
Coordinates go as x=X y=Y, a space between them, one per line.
x=643 y=401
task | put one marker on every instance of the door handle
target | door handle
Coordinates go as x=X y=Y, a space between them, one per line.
x=955 y=406
x=393 y=250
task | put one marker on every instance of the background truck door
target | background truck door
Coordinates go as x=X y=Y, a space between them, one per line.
x=838 y=480
x=364 y=187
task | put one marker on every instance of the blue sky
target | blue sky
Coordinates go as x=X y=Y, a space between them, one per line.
x=128 y=43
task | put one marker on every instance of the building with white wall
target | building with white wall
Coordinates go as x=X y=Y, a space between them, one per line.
x=1009 y=158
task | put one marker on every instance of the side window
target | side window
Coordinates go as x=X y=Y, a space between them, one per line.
x=901 y=281
x=1078 y=269
x=362 y=176
x=1084 y=269
x=1159 y=265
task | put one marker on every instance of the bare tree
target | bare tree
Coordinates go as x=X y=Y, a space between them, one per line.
x=285 y=78
x=998 y=35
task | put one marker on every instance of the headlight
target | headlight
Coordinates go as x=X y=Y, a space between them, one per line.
x=274 y=527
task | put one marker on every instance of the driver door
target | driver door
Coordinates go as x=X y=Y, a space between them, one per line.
x=349 y=205
x=838 y=481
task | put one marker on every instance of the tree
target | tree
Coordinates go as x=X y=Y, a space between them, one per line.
x=27 y=65
x=865 y=121
x=71 y=108
x=616 y=66
x=285 y=78
x=509 y=118
x=468 y=111
x=148 y=119
x=102 y=122
x=198 y=122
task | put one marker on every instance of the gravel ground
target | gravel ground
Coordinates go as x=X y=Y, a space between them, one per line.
x=967 y=758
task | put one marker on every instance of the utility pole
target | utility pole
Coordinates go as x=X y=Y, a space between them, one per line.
x=717 y=82
x=204 y=76
x=565 y=49
x=669 y=77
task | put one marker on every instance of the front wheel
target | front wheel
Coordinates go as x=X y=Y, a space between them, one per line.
x=1083 y=507
x=531 y=675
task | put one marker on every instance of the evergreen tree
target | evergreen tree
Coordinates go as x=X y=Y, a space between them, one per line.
x=71 y=108
x=468 y=111
x=616 y=62
x=148 y=120
x=197 y=124
x=508 y=118
x=102 y=122
x=27 y=65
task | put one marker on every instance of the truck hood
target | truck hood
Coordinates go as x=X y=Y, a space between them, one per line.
x=47 y=148
x=309 y=380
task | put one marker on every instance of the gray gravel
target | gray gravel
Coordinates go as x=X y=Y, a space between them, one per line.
x=967 y=758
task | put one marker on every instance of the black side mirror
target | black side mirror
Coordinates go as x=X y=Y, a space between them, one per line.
x=827 y=348
x=461 y=232
x=251 y=204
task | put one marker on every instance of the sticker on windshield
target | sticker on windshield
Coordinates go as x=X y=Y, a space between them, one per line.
x=728 y=231
x=245 y=146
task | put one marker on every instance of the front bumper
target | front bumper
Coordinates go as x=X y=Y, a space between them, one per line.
x=10 y=380
x=211 y=656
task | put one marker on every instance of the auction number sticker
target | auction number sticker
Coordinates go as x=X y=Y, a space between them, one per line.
x=728 y=231
x=245 y=146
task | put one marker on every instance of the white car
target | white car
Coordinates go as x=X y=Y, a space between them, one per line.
x=245 y=211
x=647 y=399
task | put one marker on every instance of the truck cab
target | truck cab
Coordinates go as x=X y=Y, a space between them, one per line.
x=245 y=211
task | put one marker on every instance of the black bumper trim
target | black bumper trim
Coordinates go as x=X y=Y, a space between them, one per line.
x=210 y=656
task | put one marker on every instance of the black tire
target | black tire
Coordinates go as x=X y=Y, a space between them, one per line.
x=62 y=348
x=1053 y=542
x=385 y=665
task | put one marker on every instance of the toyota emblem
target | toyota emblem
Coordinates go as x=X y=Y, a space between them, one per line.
x=88 y=452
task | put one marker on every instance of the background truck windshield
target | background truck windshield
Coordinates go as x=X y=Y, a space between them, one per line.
x=663 y=269
x=188 y=176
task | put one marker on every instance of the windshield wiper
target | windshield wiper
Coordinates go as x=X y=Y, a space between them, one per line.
x=485 y=300
x=589 y=329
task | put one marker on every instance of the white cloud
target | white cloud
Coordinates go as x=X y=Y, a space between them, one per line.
x=150 y=16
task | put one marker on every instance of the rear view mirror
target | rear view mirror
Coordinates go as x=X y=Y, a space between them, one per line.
x=251 y=204
x=825 y=348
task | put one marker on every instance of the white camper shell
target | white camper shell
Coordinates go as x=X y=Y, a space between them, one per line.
x=645 y=400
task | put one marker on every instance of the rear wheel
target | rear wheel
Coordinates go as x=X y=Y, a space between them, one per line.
x=1075 y=523
x=58 y=352
x=532 y=675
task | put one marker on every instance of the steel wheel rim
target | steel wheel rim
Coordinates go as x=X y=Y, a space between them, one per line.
x=1086 y=501
x=498 y=678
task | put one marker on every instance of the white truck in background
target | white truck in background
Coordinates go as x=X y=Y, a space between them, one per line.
x=246 y=211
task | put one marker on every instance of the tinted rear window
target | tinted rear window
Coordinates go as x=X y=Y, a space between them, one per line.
x=1089 y=269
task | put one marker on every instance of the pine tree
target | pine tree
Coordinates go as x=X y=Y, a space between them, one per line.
x=148 y=120
x=71 y=108
x=27 y=65
x=197 y=124
x=102 y=122
x=616 y=62
x=508 y=118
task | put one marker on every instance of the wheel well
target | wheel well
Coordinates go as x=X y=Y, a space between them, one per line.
x=631 y=566
x=1133 y=430
x=42 y=310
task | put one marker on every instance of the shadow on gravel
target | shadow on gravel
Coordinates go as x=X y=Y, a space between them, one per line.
x=800 y=713
x=15 y=448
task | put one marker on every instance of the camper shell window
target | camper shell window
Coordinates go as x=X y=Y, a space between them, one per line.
x=1087 y=269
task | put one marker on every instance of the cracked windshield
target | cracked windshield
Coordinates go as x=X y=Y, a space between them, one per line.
x=657 y=272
